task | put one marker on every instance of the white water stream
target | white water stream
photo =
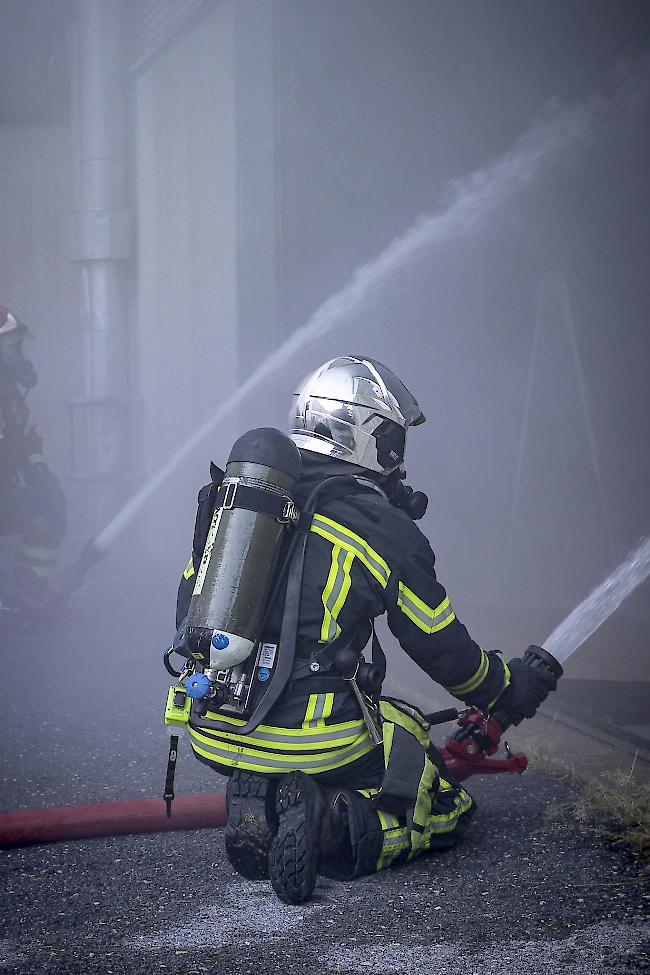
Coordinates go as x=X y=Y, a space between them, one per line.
x=469 y=202
x=600 y=604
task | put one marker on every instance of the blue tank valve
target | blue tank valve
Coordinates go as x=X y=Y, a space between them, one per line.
x=220 y=641
x=197 y=686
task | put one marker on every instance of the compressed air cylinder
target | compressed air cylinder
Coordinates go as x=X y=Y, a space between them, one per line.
x=241 y=550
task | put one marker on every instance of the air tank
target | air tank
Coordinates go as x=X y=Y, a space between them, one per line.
x=254 y=507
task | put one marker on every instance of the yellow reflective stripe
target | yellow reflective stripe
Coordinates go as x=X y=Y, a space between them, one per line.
x=345 y=588
x=318 y=742
x=37 y=553
x=506 y=676
x=427 y=619
x=319 y=707
x=478 y=677
x=422 y=808
x=239 y=756
x=338 y=534
x=311 y=707
x=40 y=571
x=274 y=730
x=335 y=592
x=317 y=736
x=328 y=706
x=445 y=822
x=387 y=732
x=355 y=538
x=327 y=592
x=420 y=603
x=374 y=571
x=36 y=459
x=393 y=716
x=382 y=861
x=189 y=568
x=395 y=838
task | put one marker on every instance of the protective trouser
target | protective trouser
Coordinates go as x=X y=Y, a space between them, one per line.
x=415 y=810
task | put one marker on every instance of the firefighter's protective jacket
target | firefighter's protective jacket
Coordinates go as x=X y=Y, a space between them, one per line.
x=364 y=558
x=21 y=446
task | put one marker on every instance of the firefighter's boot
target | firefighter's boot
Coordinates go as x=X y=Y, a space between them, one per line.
x=308 y=828
x=251 y=823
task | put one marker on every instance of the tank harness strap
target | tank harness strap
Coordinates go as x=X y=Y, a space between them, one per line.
x=234 y=494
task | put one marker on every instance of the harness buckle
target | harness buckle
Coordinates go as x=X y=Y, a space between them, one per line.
x=230 y=494
x=289 y=513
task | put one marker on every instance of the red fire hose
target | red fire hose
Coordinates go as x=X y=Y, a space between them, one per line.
x=465 y=753
x=31 y=826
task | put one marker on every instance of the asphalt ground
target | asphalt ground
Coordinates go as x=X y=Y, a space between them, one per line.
x=530 y=890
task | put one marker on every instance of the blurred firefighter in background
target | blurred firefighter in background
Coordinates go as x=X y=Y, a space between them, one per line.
x=32 y=503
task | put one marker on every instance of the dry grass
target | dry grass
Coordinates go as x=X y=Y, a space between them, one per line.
x=614 y=805
x=619 y=808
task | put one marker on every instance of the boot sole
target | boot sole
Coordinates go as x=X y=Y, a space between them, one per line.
x=295 y=850
x=250 y=827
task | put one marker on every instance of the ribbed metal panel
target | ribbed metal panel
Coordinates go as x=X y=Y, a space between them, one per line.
x=156 y=22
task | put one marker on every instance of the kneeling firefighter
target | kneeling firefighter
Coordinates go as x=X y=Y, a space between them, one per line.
x=298 y=547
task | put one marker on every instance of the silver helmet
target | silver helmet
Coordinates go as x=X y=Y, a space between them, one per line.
x=354 y=409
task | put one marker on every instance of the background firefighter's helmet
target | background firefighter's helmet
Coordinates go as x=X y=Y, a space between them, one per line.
x=9 y=322
x=14 y=367
x=354 y=409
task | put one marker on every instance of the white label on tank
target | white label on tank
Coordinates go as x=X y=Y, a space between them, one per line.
x=267 y=655
x=207 y=552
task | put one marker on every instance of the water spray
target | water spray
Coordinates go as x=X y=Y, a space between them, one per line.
x=601 y=603
x=469 y=202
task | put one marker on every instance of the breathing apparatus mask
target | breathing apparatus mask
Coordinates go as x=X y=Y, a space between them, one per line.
x=15 y=368
x=401 y=495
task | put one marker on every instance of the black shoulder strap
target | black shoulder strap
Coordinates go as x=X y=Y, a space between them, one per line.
x=288 y=637
x=205 y=509
x=294 y=566
x=378 y=655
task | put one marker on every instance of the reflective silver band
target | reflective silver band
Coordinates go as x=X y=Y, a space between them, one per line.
x=249 y=758
x=365 y=552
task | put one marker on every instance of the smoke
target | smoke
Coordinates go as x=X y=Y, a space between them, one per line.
x=555 y=140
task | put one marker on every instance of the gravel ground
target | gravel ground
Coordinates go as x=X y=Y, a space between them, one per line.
x=523 y=894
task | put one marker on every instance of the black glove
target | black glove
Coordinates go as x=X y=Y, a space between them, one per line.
x=528 y=688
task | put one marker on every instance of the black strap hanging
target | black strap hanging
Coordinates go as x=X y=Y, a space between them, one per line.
x=171 y=770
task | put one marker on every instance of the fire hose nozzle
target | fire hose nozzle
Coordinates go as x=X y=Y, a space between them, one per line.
x=90 y=555
x=539 y=657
